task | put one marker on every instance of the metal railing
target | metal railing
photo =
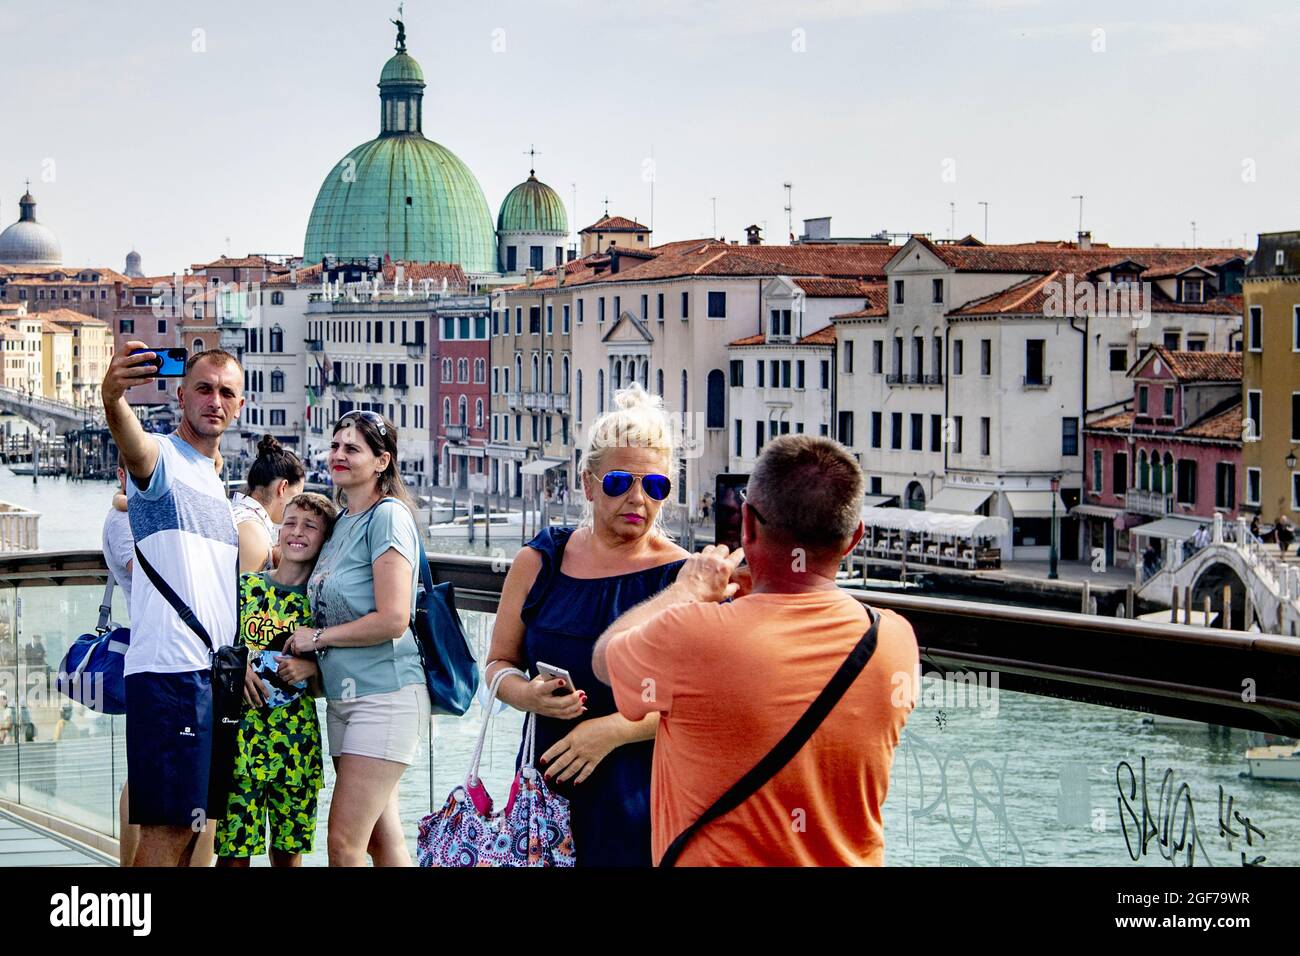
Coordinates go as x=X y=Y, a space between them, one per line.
x=1148 y=502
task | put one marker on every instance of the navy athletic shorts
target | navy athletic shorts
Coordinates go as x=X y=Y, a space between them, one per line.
x=169 y=747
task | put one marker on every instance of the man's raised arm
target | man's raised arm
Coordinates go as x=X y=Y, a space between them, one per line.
x=136 y=450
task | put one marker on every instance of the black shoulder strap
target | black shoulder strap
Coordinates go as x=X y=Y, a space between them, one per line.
x=788 y=746
x=183 y=610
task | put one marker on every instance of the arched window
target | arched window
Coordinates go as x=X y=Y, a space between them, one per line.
x=519 y=372
x=618 y=375
x=462 y=370
x=645 y=374
x=462 y=406
x=577 y=408
x=480 y=371
x=564 y=367
x=659 y=382
x=1169 y=473
x=717 y=411
x=600 y=391
x=536 y=383
x=478 y=413
x=198 y=346
x=446 y=370
x=1144 y=474
x=682 y=408
x=1157 y=474
x=277 y=381
x=277 y=339
x=549 y=370
x=446 y=411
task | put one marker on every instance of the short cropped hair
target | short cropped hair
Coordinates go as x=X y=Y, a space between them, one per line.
x=808 y=489
x=220 y=355
x=318 y=503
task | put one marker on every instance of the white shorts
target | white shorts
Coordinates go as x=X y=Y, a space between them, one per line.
x=387 y=726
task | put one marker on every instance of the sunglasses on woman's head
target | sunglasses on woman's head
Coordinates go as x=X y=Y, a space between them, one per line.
x=617 y=483
x=373 y=417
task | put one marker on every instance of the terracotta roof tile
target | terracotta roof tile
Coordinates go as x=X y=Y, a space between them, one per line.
x=1201 y=366
x=615 y=224
x=246 y=262
x=1123 y=421
x=750 y=340
x=832 y=288
x=877 y=306
x=1224 y=425
x=1031 y=296
x=437 y=271
x=302 y=276
x=73 y=317
x=823 y=336
x=48 y=325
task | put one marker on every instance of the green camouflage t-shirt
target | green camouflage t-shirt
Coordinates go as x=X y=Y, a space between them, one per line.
x=277 y=744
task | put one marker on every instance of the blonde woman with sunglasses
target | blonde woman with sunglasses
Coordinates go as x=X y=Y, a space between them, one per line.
x=561 y=593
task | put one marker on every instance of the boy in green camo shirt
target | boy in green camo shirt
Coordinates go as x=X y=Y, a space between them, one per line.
x=279 y=768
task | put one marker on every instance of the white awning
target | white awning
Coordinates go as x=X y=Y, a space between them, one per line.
x=933 y=524
x=1096 y=511
x=540 y=466
x=1173 y=528
x=958 y=500
x=1034 y=504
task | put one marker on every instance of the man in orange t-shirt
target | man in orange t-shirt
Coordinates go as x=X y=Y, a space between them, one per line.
x=729 y=680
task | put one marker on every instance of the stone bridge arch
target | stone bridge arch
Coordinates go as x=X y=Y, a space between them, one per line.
x=1214 y=575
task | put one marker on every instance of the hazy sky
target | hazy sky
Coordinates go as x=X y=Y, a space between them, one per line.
x=136 y=130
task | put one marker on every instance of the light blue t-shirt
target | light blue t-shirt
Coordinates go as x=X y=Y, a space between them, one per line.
x=182 y=525
x=342 y=589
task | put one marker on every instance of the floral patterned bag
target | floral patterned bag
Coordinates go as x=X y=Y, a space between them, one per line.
x=533 y=830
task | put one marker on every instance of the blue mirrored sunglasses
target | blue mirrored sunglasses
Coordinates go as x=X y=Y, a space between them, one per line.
x=617 y=483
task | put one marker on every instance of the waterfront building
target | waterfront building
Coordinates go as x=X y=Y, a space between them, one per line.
x=532 y=384
x=983 y=346
x=666 y=317
x=1270 y=387
x=369 y=346
x=56 y=361
x=90 y=290
x=401 y=195
x=783 y=379
x=1176 y=453
x=92 y=350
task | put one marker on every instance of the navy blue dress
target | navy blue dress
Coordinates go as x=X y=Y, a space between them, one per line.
x=563 y=617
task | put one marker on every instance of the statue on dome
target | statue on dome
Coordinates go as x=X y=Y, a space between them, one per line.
x=401 y=34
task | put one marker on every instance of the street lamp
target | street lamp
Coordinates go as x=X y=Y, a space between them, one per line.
x=1051 y=559
x=1290 y=462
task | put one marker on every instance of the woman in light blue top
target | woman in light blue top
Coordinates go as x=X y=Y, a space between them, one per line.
x=362 y=595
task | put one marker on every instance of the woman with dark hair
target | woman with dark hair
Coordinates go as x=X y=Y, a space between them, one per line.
x=362 y=596
x=275 y=478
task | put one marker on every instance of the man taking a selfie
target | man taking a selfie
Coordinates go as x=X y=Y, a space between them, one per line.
x=180 y=518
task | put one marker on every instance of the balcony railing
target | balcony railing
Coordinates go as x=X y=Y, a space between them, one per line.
x=1036 y=381
x=414 y=349
x=560 y=401
x=536 y=401
x=1063 y=688
x=314 y=345
x=514 y=400
x=933 y=378
x=456 y=432
x=375 y=388
x=399 y=387
x=1148 y=502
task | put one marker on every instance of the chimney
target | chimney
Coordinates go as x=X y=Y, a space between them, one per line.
x=398 y=276
x=528 y=277
x=753 y=236
x=559 y=276
x=1085 y=241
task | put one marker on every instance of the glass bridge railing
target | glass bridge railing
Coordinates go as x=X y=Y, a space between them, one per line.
x=991 y=771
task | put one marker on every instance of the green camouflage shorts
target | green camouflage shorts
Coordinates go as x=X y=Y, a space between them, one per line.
x=254 y=804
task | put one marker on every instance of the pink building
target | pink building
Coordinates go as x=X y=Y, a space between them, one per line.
x=1172 y=457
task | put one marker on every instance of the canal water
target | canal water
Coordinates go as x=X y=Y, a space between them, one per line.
x=983 y=779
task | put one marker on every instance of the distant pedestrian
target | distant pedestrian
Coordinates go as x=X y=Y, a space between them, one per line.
x=1150 y=561
x=1284 y=531
x=1254 y=526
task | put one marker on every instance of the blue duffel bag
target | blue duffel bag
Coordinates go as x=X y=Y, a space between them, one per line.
x=92 y=670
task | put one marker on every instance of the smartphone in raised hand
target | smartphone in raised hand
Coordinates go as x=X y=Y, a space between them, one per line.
x=171 y=362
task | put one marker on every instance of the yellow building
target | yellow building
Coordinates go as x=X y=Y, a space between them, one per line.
x=56 y=361
x=92 y=350
x=1271 y=378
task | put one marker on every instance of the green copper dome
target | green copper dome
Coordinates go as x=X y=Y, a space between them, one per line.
x=402 y=68
x=402 y=195
x=533 y=206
